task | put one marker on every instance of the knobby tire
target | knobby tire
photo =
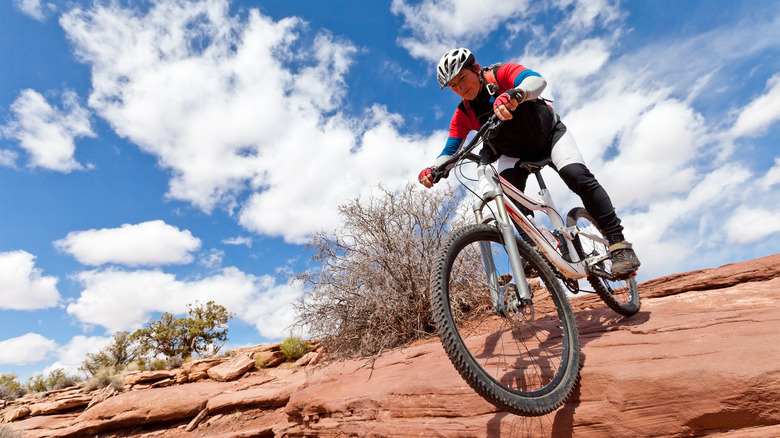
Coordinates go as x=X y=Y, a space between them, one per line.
x=526 y=366
x=622 y=296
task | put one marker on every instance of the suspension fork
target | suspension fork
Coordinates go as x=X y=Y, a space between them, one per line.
x=515 y=261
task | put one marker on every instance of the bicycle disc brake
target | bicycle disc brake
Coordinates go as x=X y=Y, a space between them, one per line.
x=515 y=308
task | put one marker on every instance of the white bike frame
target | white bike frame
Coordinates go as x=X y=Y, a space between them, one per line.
x=493 y=187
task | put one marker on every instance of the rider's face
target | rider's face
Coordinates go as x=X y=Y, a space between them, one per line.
x=466 y=84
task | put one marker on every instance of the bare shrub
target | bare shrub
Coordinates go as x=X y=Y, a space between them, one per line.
x=370 y=290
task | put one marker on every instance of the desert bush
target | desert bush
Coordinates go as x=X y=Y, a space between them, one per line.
x=157 y=364
x=174 y=362
x=120 y=352
x=261 y=359
x=7 y=432
x=10 y=389
x=369 y=289
x=136 y=365
x=204 y=330
x=56 y=379
x=293 y=348
x=106 y=376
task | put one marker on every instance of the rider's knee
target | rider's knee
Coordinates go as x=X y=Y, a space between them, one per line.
x=578 y=178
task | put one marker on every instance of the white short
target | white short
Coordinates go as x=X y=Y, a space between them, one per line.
x=564 y=152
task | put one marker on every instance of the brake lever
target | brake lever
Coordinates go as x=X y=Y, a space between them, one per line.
x=439 y=174
x=492 y=124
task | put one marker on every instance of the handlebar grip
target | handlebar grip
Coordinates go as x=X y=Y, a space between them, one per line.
x=438 y=174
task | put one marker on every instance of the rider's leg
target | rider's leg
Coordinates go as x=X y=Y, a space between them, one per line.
x=571 y=167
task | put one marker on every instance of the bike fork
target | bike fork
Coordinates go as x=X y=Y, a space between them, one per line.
x=516 y=263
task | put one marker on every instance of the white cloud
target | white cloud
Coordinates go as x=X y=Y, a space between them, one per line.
x=8 y=158
x=656 y=155
x=349 y=166
x=22 y=285
x=441 y=25
x=47 y=133
x=231 y=105
x=34 y=8
x=212 y=258
x=72 y=355
x=238 y=240
x=150 y=243
x=772 y=177
x=25 y=350
x=125 y=300
x=759 y=115
x=750 y=225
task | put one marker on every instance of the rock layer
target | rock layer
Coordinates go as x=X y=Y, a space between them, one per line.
x=700 y=358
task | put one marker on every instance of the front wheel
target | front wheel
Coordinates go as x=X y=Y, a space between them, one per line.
x=523 y=357
x=622 y=296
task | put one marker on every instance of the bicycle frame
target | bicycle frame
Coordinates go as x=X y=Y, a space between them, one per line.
x=492 y=187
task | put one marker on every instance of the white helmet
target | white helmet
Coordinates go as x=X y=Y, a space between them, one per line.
x=451 y=64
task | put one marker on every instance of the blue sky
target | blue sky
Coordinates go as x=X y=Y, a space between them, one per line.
x=157 y=153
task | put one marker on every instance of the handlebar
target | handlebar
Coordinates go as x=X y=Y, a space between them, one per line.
x=488 y=130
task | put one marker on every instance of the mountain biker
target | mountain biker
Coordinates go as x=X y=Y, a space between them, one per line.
x=531 y=131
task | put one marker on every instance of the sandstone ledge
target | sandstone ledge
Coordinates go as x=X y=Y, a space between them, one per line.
x=699 y=359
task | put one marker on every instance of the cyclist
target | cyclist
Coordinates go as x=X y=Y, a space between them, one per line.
x=531 y=131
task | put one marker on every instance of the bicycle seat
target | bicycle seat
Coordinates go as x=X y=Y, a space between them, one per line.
x=533 y=166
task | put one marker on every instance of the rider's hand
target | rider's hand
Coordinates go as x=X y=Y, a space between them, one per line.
x=506 y=103
x=426 y=177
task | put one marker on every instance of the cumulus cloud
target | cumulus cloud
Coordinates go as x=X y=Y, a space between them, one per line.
x=22 y=285
x=150 y=243
x=25 y=350
x=125 y=300
x=237 y=105
x=48 y=133
x=71 y=355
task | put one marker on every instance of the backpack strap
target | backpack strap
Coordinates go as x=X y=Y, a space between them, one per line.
x=489 y=73
x=490 y=76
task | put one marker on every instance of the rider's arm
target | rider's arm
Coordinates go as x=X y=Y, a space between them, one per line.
x=460 y=126
x=450 y=148
x=529 y=82
x=521 y=84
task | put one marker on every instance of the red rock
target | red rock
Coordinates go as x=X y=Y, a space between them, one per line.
x=16 y=413
x=232 y=369
x=146 y=377
x=59 y=405
x=270 y=392
x=701 y=358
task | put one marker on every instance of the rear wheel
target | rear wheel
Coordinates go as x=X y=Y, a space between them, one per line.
x=522 y=357
x=622 y=296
